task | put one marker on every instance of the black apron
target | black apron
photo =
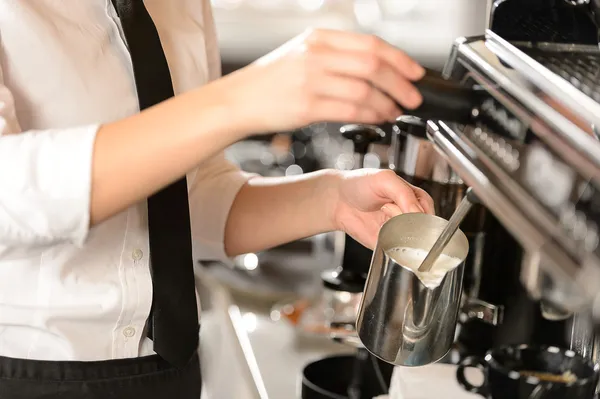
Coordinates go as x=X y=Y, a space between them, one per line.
x=173 y=324
x=140 y=378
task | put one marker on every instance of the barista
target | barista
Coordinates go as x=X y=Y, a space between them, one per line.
x=97 y=296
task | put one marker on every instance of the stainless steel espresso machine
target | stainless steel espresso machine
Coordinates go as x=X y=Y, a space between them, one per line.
x=515 y=119
x=514 y=116
x=530 y=151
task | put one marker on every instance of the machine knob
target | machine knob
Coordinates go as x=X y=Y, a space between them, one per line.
x=362 y=136
x=472 y=197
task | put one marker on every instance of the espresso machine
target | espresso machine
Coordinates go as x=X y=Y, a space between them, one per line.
x=514 y=117
x=489 y=279
x=532 y=147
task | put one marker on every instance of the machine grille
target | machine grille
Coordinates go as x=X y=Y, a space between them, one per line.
x=581 y=69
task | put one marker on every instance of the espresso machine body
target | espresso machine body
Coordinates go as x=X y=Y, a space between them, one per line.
x=528 y=147
x=536 y=166
x=494 y=300
x=546 y=21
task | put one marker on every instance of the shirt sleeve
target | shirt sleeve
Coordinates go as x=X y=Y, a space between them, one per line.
x=45 y=183
x=213 y=53
x=215 y=184
x=212 y=190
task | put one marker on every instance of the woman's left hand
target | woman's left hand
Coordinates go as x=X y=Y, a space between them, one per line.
x=367 y=198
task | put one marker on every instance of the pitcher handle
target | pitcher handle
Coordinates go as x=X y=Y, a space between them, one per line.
x=477 y=362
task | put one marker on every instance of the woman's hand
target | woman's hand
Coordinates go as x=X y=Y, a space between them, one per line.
x=367 y=198
x=270 y=211
x=323 y=75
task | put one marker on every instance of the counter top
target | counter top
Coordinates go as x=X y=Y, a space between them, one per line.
x=267 y=357
x=276 y=352
x=250 y=356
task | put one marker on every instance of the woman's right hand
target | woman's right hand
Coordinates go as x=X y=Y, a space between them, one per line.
x=323 y=76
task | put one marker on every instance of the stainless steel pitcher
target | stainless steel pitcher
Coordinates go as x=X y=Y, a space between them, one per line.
x=400 y=320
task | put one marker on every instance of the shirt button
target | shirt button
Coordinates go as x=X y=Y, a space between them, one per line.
x=137 y=254
x=129 y=332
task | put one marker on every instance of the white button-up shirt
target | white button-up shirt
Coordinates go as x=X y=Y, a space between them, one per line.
x=68 y=292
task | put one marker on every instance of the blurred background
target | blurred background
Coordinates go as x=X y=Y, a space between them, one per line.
x=248 y=29
x=260 y=308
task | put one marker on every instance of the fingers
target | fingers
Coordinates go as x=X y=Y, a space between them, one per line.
x=358 y=92
x=344 y=112
x=403 y=197
x=391 y=210
x=357 y=42
x=372 y=70
x=399 y=191
x=425 y=200
x=328 y=76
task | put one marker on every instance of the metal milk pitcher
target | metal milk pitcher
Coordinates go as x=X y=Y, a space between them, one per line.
x=400 y=319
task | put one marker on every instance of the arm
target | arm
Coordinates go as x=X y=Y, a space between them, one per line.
x=233 y=212
x=213 y=187
x=135 y=157
x=271 y=211
x=55 y=183
x=107 y=169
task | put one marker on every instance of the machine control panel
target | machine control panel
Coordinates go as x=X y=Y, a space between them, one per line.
x=572 y=201
x=496 y=147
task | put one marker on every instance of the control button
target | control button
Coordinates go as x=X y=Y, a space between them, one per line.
x=497 y=148
x=502 y=152
x=580 y=226
x=129 y=332
x=549 y=178
x=568 y=217
x=137 y=254
x=591 y=239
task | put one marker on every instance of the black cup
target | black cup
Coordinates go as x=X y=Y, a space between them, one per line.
x=346 y=376
x=503 y=380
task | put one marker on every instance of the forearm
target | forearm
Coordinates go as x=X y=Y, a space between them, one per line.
x=137 y=156
x=271 y=211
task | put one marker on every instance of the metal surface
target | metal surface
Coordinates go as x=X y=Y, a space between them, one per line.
x=558 y=21
x=531 y=167
x=400 y=320
x=582 y=336
x=536 y=95
x=415 y=159
x=438 y=247
x=523 y=216
x=415 y=156
x=583 y=340
x=481 y=310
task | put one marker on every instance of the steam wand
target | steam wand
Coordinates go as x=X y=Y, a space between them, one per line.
x=457 y=217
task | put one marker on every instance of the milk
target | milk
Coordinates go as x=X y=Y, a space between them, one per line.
x=411 y=258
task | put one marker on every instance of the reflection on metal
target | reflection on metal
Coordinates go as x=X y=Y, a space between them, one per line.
x=582 y=335
x=414 y=154
x=530 y=274
x=537 y=167
x=401 y=320
x=481 y=310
